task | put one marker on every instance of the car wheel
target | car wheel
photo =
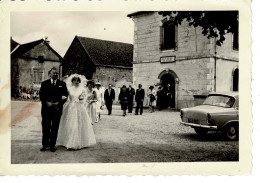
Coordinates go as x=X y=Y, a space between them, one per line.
x=201 y=131
x=231 y=132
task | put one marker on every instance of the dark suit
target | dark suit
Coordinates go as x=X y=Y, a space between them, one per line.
x=109 y=99
x=131 y=93
x=51 y=115
x=139 y=98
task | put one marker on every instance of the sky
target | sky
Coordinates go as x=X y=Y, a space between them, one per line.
x=62 y=27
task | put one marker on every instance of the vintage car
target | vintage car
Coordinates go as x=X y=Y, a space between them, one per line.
x=219 y=112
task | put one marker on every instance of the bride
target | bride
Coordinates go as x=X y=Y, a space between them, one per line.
x=75 y=131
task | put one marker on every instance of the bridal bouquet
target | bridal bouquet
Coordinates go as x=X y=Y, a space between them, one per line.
x=91 y=99
x=81 y=97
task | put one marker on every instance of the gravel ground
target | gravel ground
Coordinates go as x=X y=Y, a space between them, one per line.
x=151 y=137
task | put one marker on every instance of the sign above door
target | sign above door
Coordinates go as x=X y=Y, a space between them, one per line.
x=168 y=59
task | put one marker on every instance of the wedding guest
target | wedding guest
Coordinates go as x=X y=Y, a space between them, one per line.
x=91 y=98
x=160 y=96
x=109 y=97
x=131 y=93
x=100 y=101
x=139 y=98
x=123 y=98
x=151 y=98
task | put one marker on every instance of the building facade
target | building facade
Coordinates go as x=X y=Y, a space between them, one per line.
x=183 y=58
x=104 y=61
x=31 y=62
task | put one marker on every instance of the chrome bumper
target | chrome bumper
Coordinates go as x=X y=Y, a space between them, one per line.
x=200 y=126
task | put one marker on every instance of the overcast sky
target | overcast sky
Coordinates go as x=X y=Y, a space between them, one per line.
x=61 y=27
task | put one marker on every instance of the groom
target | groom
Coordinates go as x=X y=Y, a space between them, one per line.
x=53 y=94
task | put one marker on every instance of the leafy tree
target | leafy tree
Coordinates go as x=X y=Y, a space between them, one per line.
x=214 y=23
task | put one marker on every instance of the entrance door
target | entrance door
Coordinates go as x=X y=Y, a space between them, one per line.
x=168 y=83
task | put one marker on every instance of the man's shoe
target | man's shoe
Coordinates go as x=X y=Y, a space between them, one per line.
x=52 y=149
x=43 y=149
x=136 y=114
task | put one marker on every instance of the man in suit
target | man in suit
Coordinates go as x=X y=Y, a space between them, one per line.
x=139 y=98
x=109 y=97
x=131 y=93
x=53 y=94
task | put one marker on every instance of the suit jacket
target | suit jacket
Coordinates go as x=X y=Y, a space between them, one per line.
x=131 y=93
x=109 y=98
x=139 y=95
x=50 y=93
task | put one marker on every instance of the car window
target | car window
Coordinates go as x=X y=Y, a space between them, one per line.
x=220 y=100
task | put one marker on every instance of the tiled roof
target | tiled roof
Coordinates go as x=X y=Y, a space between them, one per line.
x=23 y=48
x=108 y=53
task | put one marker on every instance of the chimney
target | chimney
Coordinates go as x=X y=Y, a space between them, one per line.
x=46 y=40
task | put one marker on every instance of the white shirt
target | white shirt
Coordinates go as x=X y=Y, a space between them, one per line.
x=53 y=81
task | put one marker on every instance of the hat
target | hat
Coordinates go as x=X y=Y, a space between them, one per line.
x=90 y=82
x=151 y=87
x=98 y=83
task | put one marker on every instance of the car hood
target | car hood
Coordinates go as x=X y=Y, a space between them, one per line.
x=200 y=112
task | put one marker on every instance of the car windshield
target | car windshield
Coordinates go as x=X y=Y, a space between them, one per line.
x=219 y=100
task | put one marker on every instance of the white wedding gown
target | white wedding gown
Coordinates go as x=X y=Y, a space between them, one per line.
x=75 y=131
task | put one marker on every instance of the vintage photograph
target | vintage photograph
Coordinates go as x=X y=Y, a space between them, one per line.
x=124 y=86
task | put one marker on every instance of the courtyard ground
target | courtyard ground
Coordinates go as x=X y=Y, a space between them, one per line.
x=151 y=137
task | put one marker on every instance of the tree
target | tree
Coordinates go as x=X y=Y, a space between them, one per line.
x=215 y=24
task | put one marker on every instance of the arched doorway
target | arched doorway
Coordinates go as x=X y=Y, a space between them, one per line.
x=168 y=80
x=235 y=79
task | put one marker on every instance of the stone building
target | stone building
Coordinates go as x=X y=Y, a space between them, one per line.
x=183 y=57
x=105 y=61
x=31 y=62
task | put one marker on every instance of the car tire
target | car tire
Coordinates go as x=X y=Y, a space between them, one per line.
x=231 y=132
x=201 y=131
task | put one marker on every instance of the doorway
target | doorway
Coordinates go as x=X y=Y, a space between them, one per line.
x=168 y=84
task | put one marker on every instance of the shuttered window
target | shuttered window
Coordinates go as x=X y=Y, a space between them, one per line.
x=168 y=36
x=37 y=76
x=235 y=41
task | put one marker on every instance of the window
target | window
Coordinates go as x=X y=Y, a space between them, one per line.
x=235 y=40
x=168 y=35
x=37 y=76
x=236 y=80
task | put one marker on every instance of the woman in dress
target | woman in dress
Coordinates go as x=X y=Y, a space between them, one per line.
x=151 y=98
x=123 y=98
x=75 y=131
x=90 y=102
x=100 y=101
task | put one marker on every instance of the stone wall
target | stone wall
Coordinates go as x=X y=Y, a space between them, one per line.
x=117 y=77
x=195 y=77
x=25 y=67
x=224 y=80
x=191 y=43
